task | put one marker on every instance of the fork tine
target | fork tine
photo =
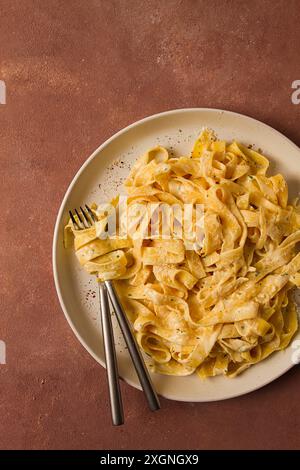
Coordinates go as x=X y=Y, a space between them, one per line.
x=80 y=219
x=87 y=221
x=91 y=213
x=76 y=226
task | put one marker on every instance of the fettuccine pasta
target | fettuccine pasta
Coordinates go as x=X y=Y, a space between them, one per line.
x=215 y=307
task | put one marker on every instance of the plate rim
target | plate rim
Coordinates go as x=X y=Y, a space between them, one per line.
x=61 y=212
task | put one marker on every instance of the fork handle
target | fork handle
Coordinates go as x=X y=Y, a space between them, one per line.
x=134 y=350
x=110 y=359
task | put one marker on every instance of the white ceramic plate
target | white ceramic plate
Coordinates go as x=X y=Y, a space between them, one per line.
x=100 y=178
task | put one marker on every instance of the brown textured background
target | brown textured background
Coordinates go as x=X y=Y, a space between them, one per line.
x=76 y=72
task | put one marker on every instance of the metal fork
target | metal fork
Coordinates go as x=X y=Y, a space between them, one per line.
x=86 y=219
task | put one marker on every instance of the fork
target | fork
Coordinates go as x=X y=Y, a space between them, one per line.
x=86 y=219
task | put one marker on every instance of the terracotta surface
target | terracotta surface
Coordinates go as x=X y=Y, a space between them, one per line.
x=76 y=72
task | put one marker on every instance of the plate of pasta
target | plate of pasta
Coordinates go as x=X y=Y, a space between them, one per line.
x=198 y=225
